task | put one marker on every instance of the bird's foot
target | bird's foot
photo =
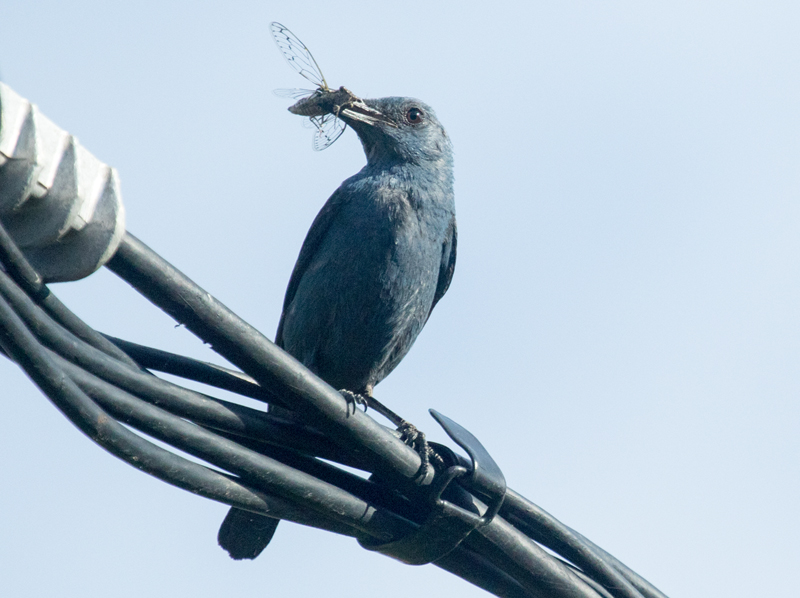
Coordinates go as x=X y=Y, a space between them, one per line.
x=354 y=399
x=409 y=433
x=415 y=438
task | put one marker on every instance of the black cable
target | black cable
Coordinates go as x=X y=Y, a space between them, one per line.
x=472 y=566
x=211 y=412
x=18 y=343
x=31 y=283
x=549 y=531
x=529 y=564
x=311 y=495
x=191 y=369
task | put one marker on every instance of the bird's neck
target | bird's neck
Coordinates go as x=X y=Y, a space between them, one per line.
x=429 y=173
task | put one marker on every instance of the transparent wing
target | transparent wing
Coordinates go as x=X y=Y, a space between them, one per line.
x=297 y=55
x=329 y=129
x=294 y=94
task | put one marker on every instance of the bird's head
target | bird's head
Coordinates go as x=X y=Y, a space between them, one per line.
x=398 y=129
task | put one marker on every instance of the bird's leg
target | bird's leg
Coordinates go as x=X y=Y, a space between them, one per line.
x=409 y=433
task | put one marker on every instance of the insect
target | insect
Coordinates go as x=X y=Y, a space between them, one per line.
x=321 y=105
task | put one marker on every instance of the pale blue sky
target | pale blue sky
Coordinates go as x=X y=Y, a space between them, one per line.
x=623 y=328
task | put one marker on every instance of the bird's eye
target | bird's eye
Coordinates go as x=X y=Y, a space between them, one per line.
x=414 y=116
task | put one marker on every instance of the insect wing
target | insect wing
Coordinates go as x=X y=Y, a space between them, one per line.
x=297 y=55
x=294 y=94
x=329 y=129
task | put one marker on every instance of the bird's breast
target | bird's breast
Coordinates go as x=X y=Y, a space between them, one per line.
x=370 y=286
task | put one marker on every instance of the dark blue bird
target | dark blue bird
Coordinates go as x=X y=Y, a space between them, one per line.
x=378 y=257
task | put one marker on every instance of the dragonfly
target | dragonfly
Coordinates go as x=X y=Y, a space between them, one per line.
x=321 y=105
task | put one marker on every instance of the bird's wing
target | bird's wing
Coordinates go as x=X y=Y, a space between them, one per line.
x=319 y=228
x=448 y=265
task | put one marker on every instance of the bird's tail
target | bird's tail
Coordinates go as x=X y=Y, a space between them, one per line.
x=244 y=534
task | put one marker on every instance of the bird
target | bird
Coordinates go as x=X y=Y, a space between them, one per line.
x=377 y=259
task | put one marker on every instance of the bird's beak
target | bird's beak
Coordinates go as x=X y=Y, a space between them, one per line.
x=359 y=111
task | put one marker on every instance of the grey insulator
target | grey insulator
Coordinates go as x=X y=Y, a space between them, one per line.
x=60 y=204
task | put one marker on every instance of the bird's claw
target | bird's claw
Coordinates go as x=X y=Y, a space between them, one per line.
x=354 y=399
x=415 y=438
